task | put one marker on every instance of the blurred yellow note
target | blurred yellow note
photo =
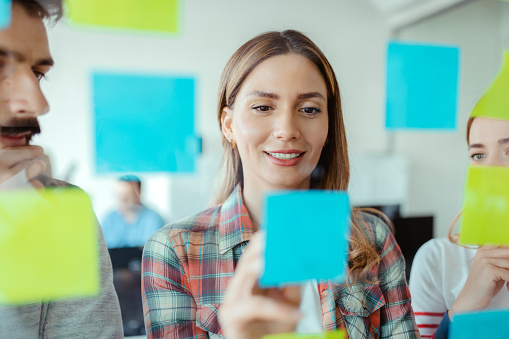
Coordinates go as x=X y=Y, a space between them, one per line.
x=146 y=15
x=485 y=218
x=340 y=334
x=495 y=102
x=48 y=246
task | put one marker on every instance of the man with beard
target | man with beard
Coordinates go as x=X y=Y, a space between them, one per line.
x=24 y=61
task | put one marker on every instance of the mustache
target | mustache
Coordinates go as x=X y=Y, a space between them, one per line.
x=17 y=126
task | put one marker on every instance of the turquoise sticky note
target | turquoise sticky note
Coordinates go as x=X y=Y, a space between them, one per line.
x=422 y=86
x=144 y=123
x=306 y=237
x=5 y=13
x=485 y=324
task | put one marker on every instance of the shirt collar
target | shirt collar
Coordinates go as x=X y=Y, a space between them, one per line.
x=235 y=226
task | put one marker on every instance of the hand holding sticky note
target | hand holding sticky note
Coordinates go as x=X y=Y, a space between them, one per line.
x=485 y=217
x=485 y=324
x=306 y=237
x=48 y=246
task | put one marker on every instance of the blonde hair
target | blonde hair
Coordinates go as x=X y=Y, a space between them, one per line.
x=454 y=237
x=332 y=171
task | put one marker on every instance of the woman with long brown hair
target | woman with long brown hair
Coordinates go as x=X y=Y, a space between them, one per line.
x=280 y=114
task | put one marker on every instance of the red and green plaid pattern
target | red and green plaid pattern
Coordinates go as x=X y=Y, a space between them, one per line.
x=187 y=266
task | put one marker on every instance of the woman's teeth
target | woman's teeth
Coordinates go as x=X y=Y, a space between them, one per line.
x=284 y=156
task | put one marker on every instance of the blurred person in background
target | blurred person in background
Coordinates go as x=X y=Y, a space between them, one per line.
x=25 y=60
x=132 y=223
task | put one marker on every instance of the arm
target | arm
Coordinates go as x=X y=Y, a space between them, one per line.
x=168 y=305
x=428 y=299
x=397 y=318
x=97 y=317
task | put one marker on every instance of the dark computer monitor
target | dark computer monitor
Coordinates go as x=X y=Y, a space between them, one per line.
x=126 y=264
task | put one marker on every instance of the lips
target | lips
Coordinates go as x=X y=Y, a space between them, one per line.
x=15 y=139
x=290 y=157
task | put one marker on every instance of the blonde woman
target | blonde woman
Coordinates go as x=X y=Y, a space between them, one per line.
x=447 y=278
x=280 y=115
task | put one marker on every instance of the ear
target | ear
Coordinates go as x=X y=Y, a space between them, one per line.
x=226 y=123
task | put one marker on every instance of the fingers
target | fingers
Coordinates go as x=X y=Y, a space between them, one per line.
x=11 y=156
x=35 y=169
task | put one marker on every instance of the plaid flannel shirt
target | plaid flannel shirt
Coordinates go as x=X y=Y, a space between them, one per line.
x=187 y=266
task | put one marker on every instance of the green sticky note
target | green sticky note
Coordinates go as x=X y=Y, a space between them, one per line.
x=146 y=15
x=339 y=334
x=495 y=102
x=485 y=217
x=48 y=246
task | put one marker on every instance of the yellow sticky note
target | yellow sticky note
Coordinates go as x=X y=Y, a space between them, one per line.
x=146 y=15
x=48 y=246
x=495 y=102
x=485 y=218
x=339 y=334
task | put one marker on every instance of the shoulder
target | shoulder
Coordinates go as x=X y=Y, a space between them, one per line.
x=437 y=248
x=205 y=221
x=375 y=228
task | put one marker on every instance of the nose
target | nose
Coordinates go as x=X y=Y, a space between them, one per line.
x=24 y=94
x=286 y=126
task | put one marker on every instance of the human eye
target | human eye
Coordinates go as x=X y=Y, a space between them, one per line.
x=310 y=111
x=478 y=156
x=39 y=75
x=262 y=108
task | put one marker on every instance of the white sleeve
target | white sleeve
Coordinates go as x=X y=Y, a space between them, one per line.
x=425 y=285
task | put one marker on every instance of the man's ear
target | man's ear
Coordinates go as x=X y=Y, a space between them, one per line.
x=226 y=123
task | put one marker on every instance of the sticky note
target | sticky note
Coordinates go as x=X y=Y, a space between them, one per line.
x=339 y=334
x=146 y=15
x=485 y=217
x=144 y=123
x=306 y=237
x=495 y=102
x=48 y=246
x=422 y=86
x=5 y=13
x=484 y=324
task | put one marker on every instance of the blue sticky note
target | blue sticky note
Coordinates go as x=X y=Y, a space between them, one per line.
x=5 y=13
x=422 y=86
x=307 y=235
x=484 y=324
x=144 y=123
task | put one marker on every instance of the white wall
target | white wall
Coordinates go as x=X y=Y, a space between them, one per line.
x=352 y=34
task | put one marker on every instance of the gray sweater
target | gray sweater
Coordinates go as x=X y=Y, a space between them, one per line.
x=97 y=317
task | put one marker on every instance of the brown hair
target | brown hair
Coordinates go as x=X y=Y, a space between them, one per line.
x=44 y=9
x=332 y=171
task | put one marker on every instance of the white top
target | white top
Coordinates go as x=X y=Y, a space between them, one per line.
x=439 y=272
x=311 y=321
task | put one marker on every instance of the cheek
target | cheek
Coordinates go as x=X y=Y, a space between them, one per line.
x=250 y=131
x=317 y=133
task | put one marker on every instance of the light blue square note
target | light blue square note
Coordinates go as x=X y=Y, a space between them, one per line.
x=307 y=235
x=422 y=86
x=144 y=123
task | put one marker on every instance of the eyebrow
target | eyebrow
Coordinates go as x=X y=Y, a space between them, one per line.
x=503 y=141
x=302 y=96
x=22 y=58
x=263 y=95
x=476 y=146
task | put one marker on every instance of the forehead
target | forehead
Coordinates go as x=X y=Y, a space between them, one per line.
x=288 y=73
x=487 y=131
x=26 y=36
